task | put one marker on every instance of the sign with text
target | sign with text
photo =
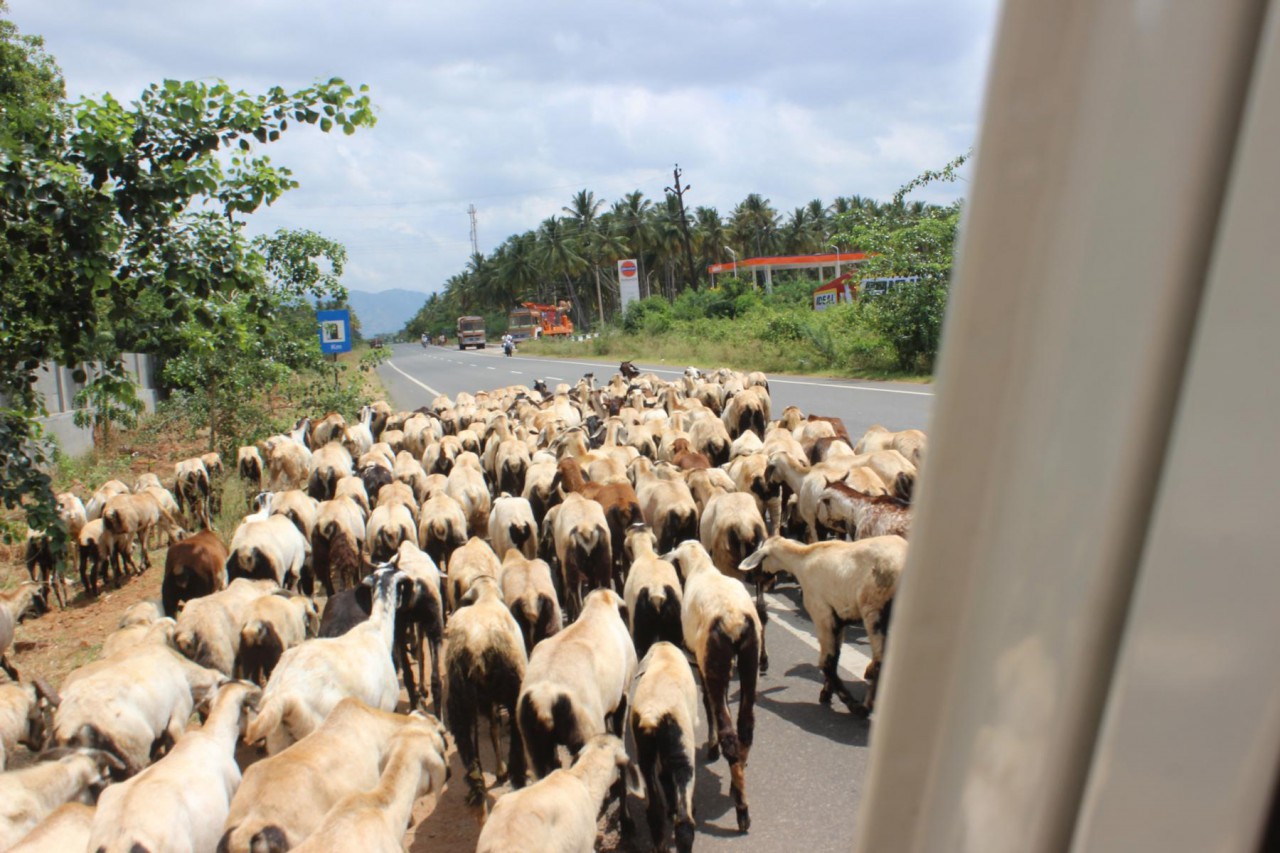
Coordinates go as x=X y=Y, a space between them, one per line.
x=628 y=282
x=335 y=331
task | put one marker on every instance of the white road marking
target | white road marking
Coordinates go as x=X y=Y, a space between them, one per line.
x=556 y=378
x=491 y=368
x=780 y=605
x=414 y=381
x=772 y=380
x=517 y=373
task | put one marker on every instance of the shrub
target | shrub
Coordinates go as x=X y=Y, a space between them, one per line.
x=639 y=312
x=909 y=317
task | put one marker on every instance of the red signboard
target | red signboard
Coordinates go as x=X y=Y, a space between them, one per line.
x=628 y=269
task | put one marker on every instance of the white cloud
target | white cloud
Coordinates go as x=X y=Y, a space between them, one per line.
x=515 y=106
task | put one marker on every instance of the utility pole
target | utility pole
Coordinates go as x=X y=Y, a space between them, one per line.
x=475 y=247
x=679 y=192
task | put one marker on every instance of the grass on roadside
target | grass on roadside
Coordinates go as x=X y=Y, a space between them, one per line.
x=680 y=349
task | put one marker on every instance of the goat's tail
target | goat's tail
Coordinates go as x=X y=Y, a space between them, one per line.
x=547 y=720
x=681 y=525
x=271 y=716
x=904 y=486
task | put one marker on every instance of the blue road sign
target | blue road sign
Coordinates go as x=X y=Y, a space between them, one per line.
x=335 y=331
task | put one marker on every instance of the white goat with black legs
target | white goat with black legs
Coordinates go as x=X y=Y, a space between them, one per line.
x=131 y=704
x=375 y=821
x=420 y=622
x=576 y=683
x=559 y=813
x=312 y=678
x=469 y=562
x=250 y=467
x=192 y=489
x=530 y=594
x=842 y=582
x=539 y=489
x=512 y=525
x=667 y=505
x=408 y=470
x=485 y=661
x=268 y=549
x=283 y=798
x=352 y=487
x=209 y=628
x=28 y=796
x=466 y=485
x=732 y=529
x=652 y=592
x=664 y=716
x=389 y=525
x=329 y=464
x=181 y=801
x=270 y=625
x=337 y=543
x=722 y=629
x=442 y=527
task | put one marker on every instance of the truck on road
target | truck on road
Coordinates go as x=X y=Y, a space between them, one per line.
x=471 y=332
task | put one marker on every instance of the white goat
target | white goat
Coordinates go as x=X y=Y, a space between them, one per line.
x=559 y=812
x=842 y=582
x=312 y=678
x=180 y=802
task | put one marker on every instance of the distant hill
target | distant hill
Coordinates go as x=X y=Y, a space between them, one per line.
x=385 y=312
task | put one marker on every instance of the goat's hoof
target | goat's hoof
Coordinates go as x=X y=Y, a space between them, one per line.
x=744 y=819
x=825 y=696
x=764 y=665
x=713 y=753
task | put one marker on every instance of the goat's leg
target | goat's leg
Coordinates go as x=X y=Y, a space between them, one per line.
x=9 y=668
x=830 y=663
x=656 y=807
x=495 y=738
x=763 y=613
x=406 y=670
x=713 y=740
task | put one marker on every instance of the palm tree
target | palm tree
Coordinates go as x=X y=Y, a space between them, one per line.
x=518 y=266
x=754 y=225
x=633 y=221
x=560 y=254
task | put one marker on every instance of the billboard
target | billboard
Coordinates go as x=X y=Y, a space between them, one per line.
x=335 y=331
x=628 y=282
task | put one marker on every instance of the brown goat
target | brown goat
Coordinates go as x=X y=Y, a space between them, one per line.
x=686 y=458
x=862 y=515
x=194 y=567
x=621 y=508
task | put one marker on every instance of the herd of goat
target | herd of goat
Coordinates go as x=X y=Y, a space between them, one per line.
x=568 y=566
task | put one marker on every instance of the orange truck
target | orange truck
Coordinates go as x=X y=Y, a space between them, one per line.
x=537 y=320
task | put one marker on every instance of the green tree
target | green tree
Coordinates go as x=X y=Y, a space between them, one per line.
x=105 y=206
x=909 y=240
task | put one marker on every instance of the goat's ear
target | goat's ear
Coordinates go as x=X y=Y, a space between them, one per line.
x=754 y=561
x=635 y=782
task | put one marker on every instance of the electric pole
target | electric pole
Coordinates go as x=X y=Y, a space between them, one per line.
x=475 y=247
x=679 y=192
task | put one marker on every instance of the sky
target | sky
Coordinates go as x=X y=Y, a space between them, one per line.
x=515 y=106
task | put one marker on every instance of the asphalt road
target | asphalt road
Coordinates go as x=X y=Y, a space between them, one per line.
x=806 y=768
